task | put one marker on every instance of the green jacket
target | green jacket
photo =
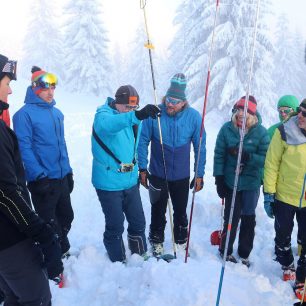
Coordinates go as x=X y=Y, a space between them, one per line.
x=256 y=143
x=271 y=129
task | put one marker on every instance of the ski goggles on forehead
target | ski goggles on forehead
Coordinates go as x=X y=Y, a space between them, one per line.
x=285 y=111
x=10 y=68
x=299 y=110
x=48 y=80
x=173 y=101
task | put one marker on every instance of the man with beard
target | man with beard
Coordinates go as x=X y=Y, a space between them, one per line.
x=180 y=126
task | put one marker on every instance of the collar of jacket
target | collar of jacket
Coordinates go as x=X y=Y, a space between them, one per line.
x=294 y=135
x=32 y=98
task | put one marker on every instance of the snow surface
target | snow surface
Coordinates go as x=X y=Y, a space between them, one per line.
x=91 y=279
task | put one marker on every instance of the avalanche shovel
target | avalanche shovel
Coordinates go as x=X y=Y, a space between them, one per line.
x=215 y=237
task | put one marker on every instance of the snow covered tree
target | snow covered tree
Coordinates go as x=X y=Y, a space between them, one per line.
x=231 y=54
x=86 y=47
x=43 y=41
x=288 y=72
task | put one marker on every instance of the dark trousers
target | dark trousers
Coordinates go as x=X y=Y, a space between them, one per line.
x=22 y=279
x=179 y=191
x=116 y=205
x=55 y=208
x=244 y=210
x=284 y=222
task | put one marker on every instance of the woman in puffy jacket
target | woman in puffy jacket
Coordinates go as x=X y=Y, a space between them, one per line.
x=255 y=145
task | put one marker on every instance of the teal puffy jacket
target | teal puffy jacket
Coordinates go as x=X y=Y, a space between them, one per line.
x=116 y=131
x=256 y=143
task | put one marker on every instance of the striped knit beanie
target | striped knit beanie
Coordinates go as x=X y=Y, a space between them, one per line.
x=37 y=73
x=177 y=87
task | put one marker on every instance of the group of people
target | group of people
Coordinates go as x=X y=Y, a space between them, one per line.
x=34 y=158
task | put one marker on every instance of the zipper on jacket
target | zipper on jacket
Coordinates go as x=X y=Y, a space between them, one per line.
x=303 y=195
x=58 y=142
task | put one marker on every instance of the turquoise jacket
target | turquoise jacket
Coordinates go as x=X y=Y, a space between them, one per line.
x=256 y=143
x=116 y=131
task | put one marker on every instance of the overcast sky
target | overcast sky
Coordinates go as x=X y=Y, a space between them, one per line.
x=121 y=20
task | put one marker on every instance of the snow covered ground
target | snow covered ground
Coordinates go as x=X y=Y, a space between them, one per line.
x=93 y=280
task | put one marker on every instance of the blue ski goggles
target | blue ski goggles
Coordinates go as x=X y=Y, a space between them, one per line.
x=173 y=101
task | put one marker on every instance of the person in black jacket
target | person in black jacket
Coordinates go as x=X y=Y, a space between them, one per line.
x=27 y=244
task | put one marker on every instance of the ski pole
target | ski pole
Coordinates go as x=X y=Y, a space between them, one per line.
x=202 y=128
x=237 y=171
x=150 y=47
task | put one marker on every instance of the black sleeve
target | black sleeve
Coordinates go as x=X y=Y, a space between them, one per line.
x=12 y=203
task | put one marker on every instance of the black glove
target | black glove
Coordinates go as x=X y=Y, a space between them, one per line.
x=41 y=186
x=51 y=249
x=221 y=186
x=245 y=156
x=70 y=181
x=149 y=110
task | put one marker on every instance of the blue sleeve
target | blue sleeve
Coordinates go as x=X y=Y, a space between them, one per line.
x=196 y=142
x=23 y=129
x=113 y=123
x=144 y=140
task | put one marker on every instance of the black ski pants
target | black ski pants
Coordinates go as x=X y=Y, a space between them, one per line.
x=179 y=191
x=22 y=278
x=284 y=222
x=55 y=208
x=244 y=211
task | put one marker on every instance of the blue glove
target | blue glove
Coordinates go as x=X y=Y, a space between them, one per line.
x=268 y=204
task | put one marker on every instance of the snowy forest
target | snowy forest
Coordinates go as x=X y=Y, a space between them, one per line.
x=81 y=46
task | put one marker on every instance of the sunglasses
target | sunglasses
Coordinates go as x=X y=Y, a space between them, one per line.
x=299 y=110
x=48 y=80
x=285 y=111
x=131 y=107
x=11 y=68
x=173 y=101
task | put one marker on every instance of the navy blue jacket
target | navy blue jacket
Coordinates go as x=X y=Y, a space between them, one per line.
x=39 y=127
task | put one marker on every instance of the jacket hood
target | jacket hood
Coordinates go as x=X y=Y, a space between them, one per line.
x=106 y=106
x=32 y=98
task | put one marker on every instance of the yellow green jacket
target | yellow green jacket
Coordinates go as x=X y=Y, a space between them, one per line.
x=285 y=165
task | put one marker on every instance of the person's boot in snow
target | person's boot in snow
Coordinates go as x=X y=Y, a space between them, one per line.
x=230 y=257
x=157 y=249
x=288 y=273
x=245 y=261
x=299 y=291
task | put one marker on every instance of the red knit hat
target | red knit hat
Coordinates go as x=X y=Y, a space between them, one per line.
x=252 y=105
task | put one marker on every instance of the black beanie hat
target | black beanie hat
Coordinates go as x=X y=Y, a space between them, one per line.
x=127 y=94
x=303 y=103
x=7 y=67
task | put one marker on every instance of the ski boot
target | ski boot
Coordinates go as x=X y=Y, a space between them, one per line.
x=288 y=273
x=245 y=261
x=230 y=258
x=299 y=290
x=157 y=249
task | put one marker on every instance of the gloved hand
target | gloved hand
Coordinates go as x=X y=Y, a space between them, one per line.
x=149 y=110
x=40 y=186
x=268 y=204
x=221 y=186
x=245 y=156
x=143 y=178
x=199 y=184
x=51 y=249
x=70 y=181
